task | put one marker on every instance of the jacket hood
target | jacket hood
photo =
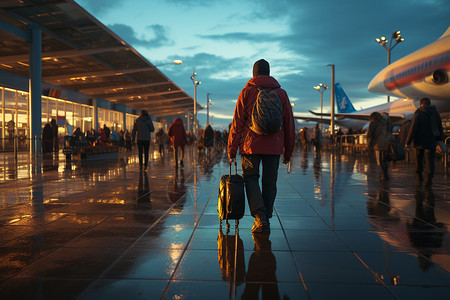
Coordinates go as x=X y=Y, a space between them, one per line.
x=428 y=109
x=178 y=121
x=261 y=67
x=263 y=81
x=144 y=117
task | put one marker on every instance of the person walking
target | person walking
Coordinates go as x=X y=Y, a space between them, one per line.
x=160 y=137
x=256 y=149
x=208 y=141
x=317 y=137
x=47 y=139
x=54 y=126
x=378 y=135
x=143 y=127
x=426 y=129
x=178 y=138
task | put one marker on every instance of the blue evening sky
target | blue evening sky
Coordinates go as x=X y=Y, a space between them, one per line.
x=222 y=40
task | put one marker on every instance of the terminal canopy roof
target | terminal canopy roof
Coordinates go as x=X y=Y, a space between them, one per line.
x=80 y=53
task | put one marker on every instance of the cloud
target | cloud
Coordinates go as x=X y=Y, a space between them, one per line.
x=100 y=7
x=130 y=36
x=192 y=3
x=242 y=37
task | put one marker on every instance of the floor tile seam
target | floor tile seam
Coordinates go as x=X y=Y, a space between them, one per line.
x=373 y=231
x=375 y=275
x=312 y=207
x=185 y=249
x=292 y=255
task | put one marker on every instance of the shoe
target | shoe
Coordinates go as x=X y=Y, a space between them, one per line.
x=261 y=225
x=181 y=163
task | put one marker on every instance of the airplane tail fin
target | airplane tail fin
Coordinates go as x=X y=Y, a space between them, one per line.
x=343 y=103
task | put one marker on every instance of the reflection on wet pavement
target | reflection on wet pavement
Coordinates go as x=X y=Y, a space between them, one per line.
x=103 y=229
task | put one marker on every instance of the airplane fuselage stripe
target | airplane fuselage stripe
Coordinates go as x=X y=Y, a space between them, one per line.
x=417 y=70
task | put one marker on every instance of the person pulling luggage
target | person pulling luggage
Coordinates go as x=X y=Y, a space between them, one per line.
x=262 y=129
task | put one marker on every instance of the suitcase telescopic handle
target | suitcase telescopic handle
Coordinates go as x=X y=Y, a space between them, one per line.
x=235 y=168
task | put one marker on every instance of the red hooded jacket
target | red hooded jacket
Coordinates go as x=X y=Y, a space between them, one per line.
x=177 y=133
x=249 y=142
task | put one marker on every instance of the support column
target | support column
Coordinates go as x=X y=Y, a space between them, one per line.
x=124 y=125
x=35 y=90
x=95 y=116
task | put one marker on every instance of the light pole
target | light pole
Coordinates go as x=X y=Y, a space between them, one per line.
x=321 y=89
x=383 y=41
x=332 y=100
x=195 y=82
x=208 y=104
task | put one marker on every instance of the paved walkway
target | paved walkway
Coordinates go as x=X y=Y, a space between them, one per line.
x=104 y=230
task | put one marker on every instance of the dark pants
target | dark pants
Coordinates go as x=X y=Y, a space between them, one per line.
x=260 y=200
x=143 y=147
x=428 y=154
x=383 y=163
x=175 y=154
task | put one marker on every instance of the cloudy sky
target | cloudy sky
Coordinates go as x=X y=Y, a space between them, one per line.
x=222 y=40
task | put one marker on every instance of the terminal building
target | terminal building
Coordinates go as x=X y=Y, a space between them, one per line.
x=58 y=62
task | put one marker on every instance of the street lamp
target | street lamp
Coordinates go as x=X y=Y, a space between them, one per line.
x=397 y=37
x=208 y=104
x=321 y=89
x=195 y=82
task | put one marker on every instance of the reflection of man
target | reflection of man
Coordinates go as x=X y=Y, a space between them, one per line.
x=178 y=188
x=261 y=271
x=143 y=188
x=423 y=232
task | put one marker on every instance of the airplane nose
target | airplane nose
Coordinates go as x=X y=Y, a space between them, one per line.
x=377 y=85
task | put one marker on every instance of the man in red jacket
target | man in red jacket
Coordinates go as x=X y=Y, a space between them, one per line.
x=255 y=149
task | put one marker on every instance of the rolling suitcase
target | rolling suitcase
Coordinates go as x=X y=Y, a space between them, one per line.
x=231 y=199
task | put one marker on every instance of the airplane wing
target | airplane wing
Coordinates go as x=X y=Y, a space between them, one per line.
x=312 y=119
x=356 y=116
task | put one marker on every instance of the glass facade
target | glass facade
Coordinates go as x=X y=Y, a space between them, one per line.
x=68 y=115
x=15 y=117
x=113 y=119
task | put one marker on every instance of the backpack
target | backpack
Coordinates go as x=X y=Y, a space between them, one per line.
x=267 y=112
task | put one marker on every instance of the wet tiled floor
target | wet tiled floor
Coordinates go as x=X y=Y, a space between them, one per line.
x=104 y=230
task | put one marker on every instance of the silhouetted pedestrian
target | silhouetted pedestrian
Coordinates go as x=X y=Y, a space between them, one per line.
x=378 y=135
x=178 y=138
x=160 y=139
x=142 y=129
x=54 y=126
x=426 y=129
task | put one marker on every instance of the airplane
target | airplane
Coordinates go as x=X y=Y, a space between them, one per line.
x=423 y=73
x=347 y=116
